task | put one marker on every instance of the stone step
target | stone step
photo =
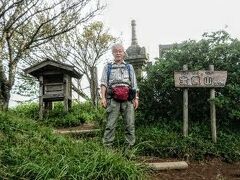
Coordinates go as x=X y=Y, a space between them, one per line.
x=83 y=131
x=167 y=165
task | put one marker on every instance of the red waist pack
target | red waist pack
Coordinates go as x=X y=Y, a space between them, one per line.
x=120 y=93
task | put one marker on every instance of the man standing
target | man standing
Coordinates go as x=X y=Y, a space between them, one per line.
x=119 y=95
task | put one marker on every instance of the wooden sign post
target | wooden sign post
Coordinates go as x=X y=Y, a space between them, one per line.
x=204 y=79
x=185 y=108
x=213 y=110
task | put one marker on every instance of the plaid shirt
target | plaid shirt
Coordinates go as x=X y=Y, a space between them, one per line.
x=119 y=74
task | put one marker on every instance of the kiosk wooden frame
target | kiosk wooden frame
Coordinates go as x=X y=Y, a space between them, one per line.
x=54 y=83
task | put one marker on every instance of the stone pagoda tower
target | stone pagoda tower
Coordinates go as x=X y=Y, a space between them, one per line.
x=136 y=55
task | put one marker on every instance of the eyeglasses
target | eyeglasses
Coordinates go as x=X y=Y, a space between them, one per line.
x=115 y=51
x=118 y=51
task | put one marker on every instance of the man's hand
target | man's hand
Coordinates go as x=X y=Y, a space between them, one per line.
x=135 y=103
x=104 y=102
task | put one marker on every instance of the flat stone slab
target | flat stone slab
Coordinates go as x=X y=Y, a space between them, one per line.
x=168 y=165
x=83 y=131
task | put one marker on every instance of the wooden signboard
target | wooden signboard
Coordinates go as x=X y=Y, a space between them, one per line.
x=201 y=78
x=205 y=79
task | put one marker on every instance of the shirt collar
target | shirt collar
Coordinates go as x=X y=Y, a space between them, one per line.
x=121 y=63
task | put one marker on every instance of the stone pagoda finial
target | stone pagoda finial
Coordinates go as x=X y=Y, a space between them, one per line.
x=136 y=55
x=134 y=37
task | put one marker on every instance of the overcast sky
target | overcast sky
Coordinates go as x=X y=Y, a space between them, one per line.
x=170 y=21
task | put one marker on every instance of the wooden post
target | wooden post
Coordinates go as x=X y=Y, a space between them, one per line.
x=79 y=87
x=69 y=92
x=40 y=97
x=96 y=87
x=185 y=107
x=48 y=106
x=213 y=110
x=66 y=84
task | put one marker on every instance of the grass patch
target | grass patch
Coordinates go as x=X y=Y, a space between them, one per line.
x=78 y=114
x=165 y=140
x=28 y=150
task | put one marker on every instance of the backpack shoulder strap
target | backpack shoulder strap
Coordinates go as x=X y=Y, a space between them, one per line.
x=129 y=73
x=109 y=72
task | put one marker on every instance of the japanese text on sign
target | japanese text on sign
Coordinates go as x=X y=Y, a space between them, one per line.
x=200 y=78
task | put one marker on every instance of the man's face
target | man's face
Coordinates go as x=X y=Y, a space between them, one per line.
x=118 y=54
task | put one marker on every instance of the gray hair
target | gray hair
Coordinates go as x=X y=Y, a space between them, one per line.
x=117 y=46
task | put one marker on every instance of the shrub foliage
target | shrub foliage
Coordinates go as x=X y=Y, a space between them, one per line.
x=159 y=97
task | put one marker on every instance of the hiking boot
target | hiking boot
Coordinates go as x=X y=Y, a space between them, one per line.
x=128 y=152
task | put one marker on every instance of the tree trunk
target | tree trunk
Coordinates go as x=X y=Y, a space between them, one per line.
x=79 y=92
x=92 y=87
x=4 y=97
x=6 y=85
x=5 y=104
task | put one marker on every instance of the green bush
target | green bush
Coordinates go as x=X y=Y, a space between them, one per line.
x=30 y=110
x=30 y=151
x=160 y=99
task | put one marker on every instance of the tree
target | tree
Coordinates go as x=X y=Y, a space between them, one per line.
x=27 y=24
x=83 y=49
x=159 y=97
